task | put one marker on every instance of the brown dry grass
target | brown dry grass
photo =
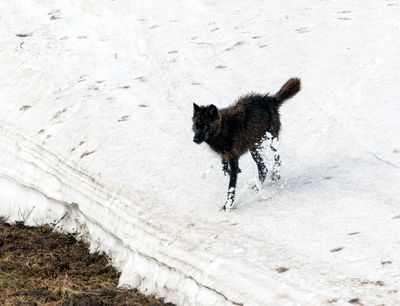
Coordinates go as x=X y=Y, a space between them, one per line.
x=41 y=267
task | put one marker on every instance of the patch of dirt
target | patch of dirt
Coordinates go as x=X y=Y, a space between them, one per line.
x=41 y=267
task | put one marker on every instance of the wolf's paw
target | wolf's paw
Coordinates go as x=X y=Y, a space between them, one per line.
x=275 y=176
x=228 y=205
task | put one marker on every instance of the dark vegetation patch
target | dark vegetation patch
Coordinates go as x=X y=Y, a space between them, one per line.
x=41 y=267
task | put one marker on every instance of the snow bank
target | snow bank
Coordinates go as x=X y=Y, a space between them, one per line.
x=96 y=103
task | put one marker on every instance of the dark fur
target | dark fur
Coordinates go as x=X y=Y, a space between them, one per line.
x=234 y=130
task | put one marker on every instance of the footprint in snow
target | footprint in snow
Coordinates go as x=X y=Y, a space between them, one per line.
x=58 y=114
x=54 y=14
x=80 y=143
x=24 y=34
x=355 y=301
x=123 y=118
x=302 y=30
x=344 y=12
x=374 y=283
x=386 y=262
x=337 y=249
x=141 y=79
x=25 y=107
x=342 y=15
x=239 y=43
x=87 y=153
x=215 y=29
x=281 y=269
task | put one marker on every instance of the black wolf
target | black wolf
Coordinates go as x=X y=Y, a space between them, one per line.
x=241 y=127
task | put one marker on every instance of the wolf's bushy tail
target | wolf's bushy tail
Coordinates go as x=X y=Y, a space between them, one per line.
x=288 y=90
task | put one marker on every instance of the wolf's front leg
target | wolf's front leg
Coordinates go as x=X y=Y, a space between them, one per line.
x=225 y=167
x=234 y=169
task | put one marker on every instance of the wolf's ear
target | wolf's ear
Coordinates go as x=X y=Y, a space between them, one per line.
x=213 y=111
x=195 y=108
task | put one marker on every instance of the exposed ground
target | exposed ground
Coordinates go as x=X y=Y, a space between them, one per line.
x=41 y=267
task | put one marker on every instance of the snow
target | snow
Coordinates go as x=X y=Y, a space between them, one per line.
x=95 y=122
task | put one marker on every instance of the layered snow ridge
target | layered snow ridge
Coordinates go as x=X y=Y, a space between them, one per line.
x=95 y=136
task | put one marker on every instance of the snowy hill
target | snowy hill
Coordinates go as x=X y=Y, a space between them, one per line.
x=95 y=121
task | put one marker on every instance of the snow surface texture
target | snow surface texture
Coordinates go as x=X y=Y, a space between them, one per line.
x=95 y=120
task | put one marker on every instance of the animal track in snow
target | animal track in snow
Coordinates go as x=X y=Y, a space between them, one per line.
x=343 y=15
x=123 y=118
x=80 y=143
x=239 y=43
x=302 y=30
x=386 y=262
x=25 y=107
x=281 y=269
x=356 y=301
x=58 y=114
x=375 y=283
x=87 y=153
x=141 y=79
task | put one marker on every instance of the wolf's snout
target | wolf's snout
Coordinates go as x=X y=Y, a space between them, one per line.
x=197 y=140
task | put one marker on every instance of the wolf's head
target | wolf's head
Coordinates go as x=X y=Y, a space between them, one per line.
x=206 y=122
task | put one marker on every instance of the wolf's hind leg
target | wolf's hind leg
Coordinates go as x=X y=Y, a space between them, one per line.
x=262 y=169
x=276 y=169
x=257 y=155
